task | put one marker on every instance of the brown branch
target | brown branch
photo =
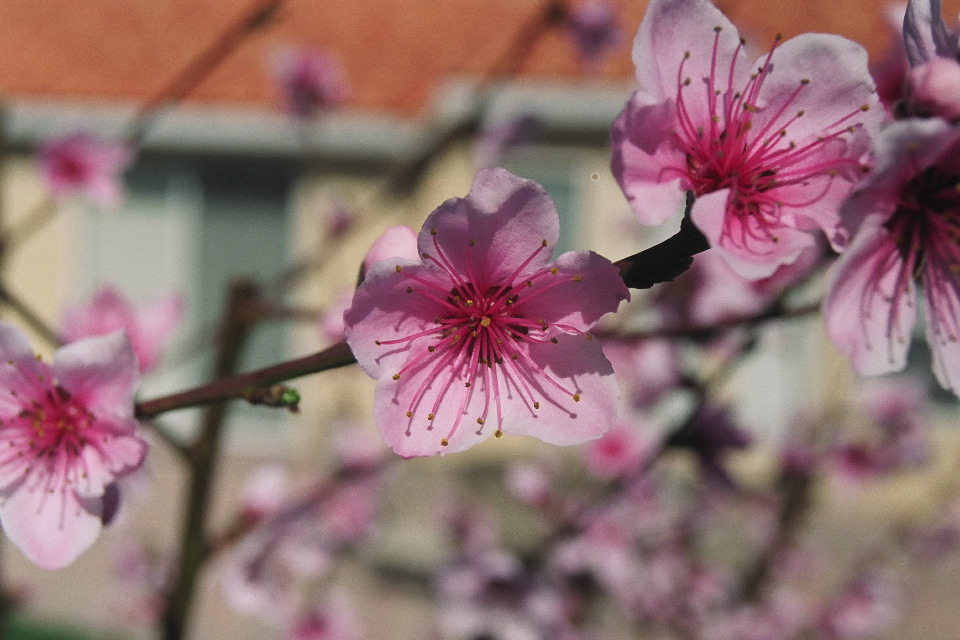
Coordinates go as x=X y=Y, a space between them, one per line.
x=243 y=385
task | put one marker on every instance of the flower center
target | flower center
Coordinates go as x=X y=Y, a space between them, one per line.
x=760 y=165
x=481 y=335
x=47 y=437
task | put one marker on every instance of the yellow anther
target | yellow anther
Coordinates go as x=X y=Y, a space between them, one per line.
x=409 y=414
x=536 y=405
x=497 y=433
x=433 y=231
x=479 y=420
x=398 y=268
x=577 y=278
x=444 y=442
x=430 y=416
x=396 y=376
x=485 y=322
x=554 y=271
x=576 y=397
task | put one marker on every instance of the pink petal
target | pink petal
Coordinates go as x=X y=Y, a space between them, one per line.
x=503 y=216
x=394 y=242
x=18 y=367
x=924 y=33
x=582 y=303
x=747 y=249
x=642 y=163
x=155 y=325
x=113 y=456
x=672 y=28
x=101 y=372
x=383 y=310
x=51 y=530
x=942 y=305
x=869 y=314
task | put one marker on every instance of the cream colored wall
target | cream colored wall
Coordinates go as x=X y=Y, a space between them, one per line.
x=35 y=271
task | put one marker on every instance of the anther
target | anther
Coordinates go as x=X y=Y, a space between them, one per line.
x=554 y=270
x=576 y=397
x=480 y=421
x=485 y=322
x=433 y=231
x=430 y=416
x=717 y=29
x=444 y=442
x=431 y=348
x=536 y=405
x=471 y=243
x=398 y=268
x=396 y=376
x=409 y=414
x=425 y=255
x=554 y=340
x=577 y=278
x=588 y=336
x=377 y=342
x=543 y=244
x=497 y=433
x=409 y=289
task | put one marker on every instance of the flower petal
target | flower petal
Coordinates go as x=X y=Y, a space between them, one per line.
x=101 y=372
x=50 y=529
x=670 y=31
x=643 y=164
x=925 y=35
x=870 y=309
x=495 y=229
x=581 y=302
x=383 y=310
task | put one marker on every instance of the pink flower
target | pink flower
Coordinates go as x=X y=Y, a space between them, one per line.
x=619 y=452
x=483 y=329
x=866 y=608
x=394 y=242
x=933 y=89
x=595 y=29
x=905 y=219
x=495 y=140
x=69 y=434
x=310 y=80
x=333 y=618
x=769 y=154
x=149 y=327
x=83 y=164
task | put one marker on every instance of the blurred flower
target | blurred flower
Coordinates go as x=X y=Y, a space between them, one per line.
x=69 y=433
x=149 y=327
x=710 y=434
x=494 y=140
x=332 y=618
x=619 y=452
x=310 y=80
x=82 y=164
x=864 y=609
x=595 y=29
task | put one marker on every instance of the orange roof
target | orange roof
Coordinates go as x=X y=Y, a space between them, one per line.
x=396 y=52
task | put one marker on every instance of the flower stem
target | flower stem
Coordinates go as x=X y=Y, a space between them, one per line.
x=665 y=261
